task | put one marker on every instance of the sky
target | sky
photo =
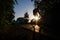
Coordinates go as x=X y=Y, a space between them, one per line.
x=22 y=7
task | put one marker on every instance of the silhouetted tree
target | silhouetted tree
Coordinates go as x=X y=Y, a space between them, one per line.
x=26 y=15
x=50 y=9
x=20 y=20
x=6 y=13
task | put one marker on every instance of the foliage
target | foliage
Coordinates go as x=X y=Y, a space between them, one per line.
x=47 y=9
x=26 y=15
x=50 y=9
x=20 y=20
x=6 y=13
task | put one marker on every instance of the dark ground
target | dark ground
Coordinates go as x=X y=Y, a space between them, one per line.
x=21 y=33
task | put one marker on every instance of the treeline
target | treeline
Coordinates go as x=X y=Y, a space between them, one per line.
x=50 y=12
x=6 y=14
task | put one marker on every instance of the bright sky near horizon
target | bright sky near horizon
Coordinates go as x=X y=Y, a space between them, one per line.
x=22 y=7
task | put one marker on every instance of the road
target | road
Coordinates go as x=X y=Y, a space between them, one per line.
x=28 y=31
x=43 y=33
x=24 y=32
x=30 y=27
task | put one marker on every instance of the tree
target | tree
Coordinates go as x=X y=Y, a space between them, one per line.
x=50 y=9
x=26 y=15
x=6 y=13
x=20 y=20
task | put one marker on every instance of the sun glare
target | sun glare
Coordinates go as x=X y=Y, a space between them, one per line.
x=36 y=17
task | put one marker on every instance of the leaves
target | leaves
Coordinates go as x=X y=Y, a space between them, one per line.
x=6 y=13
x=26 y=15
